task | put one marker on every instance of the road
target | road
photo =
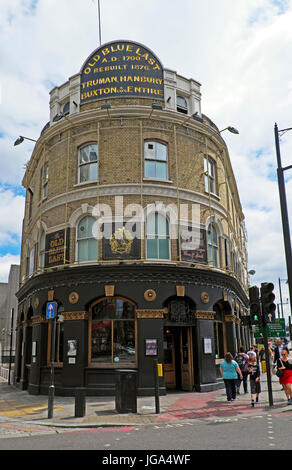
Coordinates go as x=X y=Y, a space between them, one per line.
x=258 y=432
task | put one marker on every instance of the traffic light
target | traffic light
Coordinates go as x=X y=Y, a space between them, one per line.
x=254 y=305
x=268 y=297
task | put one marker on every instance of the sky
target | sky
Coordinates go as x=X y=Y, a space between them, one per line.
x=240 y=52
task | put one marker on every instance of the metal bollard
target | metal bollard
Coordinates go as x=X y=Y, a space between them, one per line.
x=80 y=402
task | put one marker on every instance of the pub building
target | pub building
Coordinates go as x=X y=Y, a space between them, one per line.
x=133 y=235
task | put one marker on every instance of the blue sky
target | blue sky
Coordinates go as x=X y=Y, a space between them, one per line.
x=240 y=51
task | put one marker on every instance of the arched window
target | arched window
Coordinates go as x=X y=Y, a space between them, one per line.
x=155 y=155
x=181 y=105
x=212 y=245
x=86 y=241
x=87 y=163
x=157 y=237
x=113 y=332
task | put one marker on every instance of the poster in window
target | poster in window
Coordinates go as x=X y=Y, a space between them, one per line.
x=55 y=248
x=121 y=241
x=193 y=244
x=151 y=347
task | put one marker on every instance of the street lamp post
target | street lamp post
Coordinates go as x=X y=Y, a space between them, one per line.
x=284 y=210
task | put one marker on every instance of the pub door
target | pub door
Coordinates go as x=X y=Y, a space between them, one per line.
x=178 y=358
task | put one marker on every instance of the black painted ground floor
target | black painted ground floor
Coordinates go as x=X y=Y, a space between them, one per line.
x=128 y=317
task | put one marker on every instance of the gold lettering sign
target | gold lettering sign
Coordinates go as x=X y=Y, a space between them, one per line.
x=55 y=248
x=121 y=68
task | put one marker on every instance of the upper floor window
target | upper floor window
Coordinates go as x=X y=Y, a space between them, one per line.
x=212 y=246
x=87 y=163
x=157 y=234
x=66 y=108
x=210 y=175
x=155 y=155
x=181 y=105
x=86 y=241
x=42 y=250
x=45 y=180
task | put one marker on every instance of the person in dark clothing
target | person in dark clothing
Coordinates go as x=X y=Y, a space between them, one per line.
x=254 y=375
x=278 y=350
x=285 y=364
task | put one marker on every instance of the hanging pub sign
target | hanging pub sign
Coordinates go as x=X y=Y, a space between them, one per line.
x=55 y=248
x=121 y=241
x=193 y=244
x=121 y=68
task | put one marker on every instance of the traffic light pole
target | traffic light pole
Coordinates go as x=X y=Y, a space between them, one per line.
x=267 y=354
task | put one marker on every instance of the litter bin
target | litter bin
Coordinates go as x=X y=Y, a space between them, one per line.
x=126 y=391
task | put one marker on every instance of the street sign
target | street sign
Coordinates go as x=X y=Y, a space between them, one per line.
x=51 y=310
x=276 y=329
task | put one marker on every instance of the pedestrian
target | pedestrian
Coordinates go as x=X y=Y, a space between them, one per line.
x=254 y=378
x=278 y=349
x=242 y=360
x=251 y=352
x=229 y=370
x=285 y=364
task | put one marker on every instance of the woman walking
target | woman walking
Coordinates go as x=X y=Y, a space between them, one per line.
x=285 y=364
x=229 y=370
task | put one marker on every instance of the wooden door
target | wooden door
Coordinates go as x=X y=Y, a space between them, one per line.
x=186 y=356
x=169 y=361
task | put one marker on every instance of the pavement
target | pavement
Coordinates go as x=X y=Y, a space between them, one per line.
x=174 y=407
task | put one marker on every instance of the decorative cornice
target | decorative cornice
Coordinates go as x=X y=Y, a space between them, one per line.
x=75 y=316
x=204 y=314
x=147 y=313
x=233 y=319
x=38 y=319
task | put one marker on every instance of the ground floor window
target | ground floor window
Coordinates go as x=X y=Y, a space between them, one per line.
x=113 y=332
x=219 y=340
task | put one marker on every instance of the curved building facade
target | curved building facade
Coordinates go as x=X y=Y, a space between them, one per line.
x=133 y=234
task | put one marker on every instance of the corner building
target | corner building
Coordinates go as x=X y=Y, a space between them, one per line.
x=133 y=226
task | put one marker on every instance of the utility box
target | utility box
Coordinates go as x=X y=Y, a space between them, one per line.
x=126 y=391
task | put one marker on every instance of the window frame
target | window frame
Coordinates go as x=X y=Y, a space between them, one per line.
x=78 y=240
x=157 y=237
x=82 y=165
x=112 y=364
x=209 y=178
x=179 y=106
x=148 y=158
x=213 y=246
x=44 y=180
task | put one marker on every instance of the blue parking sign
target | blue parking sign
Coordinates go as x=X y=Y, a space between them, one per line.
x=51 y=310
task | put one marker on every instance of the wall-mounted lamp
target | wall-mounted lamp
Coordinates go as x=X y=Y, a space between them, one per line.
x=155 y=106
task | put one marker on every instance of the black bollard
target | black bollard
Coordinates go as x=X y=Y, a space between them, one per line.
x=80 y=402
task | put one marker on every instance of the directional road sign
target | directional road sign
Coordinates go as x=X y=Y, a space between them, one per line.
x=51 y=310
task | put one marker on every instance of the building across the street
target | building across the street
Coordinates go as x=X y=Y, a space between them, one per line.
x=134 y=243
x=8 y=316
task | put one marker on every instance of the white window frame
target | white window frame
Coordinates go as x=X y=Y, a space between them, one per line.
x=78 y=240
x=157 y=237
x=210 y=176
x=80 y=165
x=154 y=158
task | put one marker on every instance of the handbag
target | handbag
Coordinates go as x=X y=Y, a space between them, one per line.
x=280 y=372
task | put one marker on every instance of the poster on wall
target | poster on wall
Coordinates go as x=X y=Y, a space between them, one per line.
x=119 y=69
x=193 y=244
x=55 y=248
